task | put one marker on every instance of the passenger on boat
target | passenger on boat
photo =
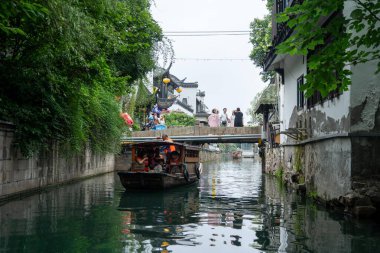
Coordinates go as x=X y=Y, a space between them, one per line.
x=151 y=160
x=174 y=162
x=142 y=158
x=158 y=161
x=174 y=158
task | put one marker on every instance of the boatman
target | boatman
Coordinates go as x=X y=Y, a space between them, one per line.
x=171 y=148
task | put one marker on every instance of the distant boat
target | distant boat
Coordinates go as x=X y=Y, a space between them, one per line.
x=236 y=154
x=185 y=170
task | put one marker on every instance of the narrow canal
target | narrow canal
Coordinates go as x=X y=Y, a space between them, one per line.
x=233 y=209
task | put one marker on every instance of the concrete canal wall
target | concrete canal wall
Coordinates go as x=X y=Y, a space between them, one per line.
x=342 y=172
x=299 y=221
x=20 y=174
x=208 y=155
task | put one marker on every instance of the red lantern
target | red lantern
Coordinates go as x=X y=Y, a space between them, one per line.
x=127 y=119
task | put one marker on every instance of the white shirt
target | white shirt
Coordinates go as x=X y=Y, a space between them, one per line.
x=224 y=117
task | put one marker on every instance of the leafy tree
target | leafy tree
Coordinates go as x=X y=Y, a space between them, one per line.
x=260 y=37
x=261 y=34
x=144 y=101
x=63 y=62
x=255 y=118
x=330 y=48
x=179 y=119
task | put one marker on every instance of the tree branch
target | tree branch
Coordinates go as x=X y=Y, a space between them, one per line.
x=367 y=9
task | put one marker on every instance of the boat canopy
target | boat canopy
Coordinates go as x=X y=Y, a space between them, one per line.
x=161 y=143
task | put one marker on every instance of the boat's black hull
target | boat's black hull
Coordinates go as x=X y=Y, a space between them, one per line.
x=144 y=180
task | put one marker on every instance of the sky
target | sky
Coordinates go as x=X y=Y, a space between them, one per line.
x=229 y=84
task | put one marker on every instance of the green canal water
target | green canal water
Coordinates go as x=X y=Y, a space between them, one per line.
x=234 y=208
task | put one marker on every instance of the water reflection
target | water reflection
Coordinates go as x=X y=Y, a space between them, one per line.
x=75 y=218
x=155 y=220
x=234 y=208
x=158 y=208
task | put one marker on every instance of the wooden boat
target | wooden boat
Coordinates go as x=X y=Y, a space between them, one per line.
x=162 y=169
x=236 y=154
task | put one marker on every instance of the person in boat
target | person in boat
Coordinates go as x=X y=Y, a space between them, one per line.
x=174 y=158
x=165 y=137
x=174 y=162
x=170 y=148
x=142 y=159
x=151 y=160
x=158 y=161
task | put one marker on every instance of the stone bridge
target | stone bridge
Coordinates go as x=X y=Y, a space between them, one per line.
x=200 y=134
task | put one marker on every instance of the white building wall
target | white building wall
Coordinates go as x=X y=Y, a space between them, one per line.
x=295 y=66
x=329 y=117
x=281 y=106
x=190 y=94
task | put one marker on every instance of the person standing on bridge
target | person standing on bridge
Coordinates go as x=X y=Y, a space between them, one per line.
x=232 y=123
x=224 y=119
x=213 y=119
x=238 y=118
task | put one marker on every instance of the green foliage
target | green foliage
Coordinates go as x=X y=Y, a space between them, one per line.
x=279 y=172
x=331 y=47
x=144 y=101
x=268 y=96
x=228 y=147
x=260 y=37
x=15 y=16
x=255 y=118
x=298 y=160
x=62 y=62
x=179 y=119
x=312 y=194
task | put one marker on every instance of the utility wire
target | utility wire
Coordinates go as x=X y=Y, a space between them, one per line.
x=206 y=35
x=236 y=31
x=212 y=59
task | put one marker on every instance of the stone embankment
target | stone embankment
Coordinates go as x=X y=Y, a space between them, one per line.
x=21 y=175
x=208 y=155
x=362 y=199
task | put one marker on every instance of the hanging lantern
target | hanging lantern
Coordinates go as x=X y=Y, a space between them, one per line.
x=127 y=118
x=166 y=80
x=179 y=89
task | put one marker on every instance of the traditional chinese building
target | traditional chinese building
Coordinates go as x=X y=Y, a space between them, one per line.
x=181 y=96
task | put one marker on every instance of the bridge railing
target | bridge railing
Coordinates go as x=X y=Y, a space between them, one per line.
x=199 y=131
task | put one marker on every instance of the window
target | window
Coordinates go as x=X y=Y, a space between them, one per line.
x=300 y=93
x=280 y=6
x=314 y=99
x=184 y=100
